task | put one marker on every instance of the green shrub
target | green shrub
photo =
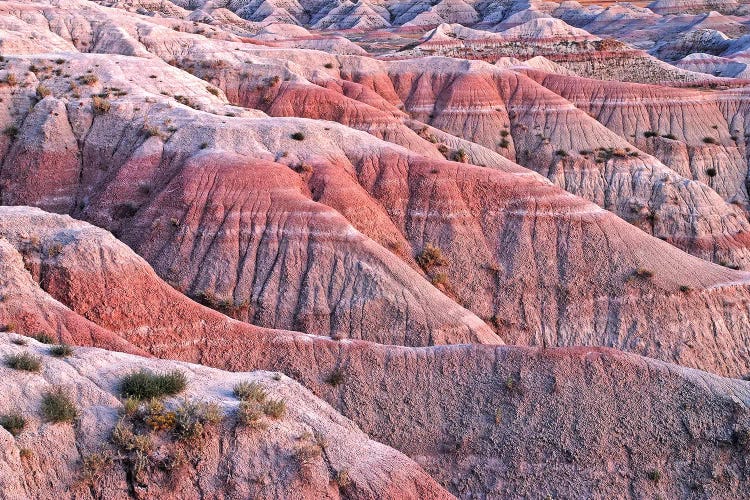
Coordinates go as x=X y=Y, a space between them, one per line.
x=213 y=90
x=654 y=475
x=151 y=130
x=94 y=466
x=182 y=99
x=57 y=406
x=275 y=408
x=130 y=406
x=336 y=377
x=122 y=436
x=44 y=338
x=42 y=91
x=431 y=256
x=710 y=140
x=13 y=423
x=125 y=438
x=711 y=172
x=650 y=133
x=728 y=265
x=460 y=155
x=55 y=249
x=145 y=384
x=100 y=105
x=156 y=415
x=298 y=136
x=11 y=131
x=642 y=272
x=342 y=478
x=61 y=351
x=328 y=65
x=246 y=391
x=89 y=79
x=250 y=413
x=307 y=454
x=303 y=168
x=192 y=416
x=24 y=361
x=439 y=279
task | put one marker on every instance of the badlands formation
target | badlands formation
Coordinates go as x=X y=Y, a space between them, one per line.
x=374 y=249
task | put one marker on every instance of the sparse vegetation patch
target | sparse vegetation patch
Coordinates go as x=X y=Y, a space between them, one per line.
x=250 y=391
x=100 y=105
x=275 y=408
x=61 y=351
x=24 y=361
x=13 y=423
x=336 y=377
x=430 y=257
x=44 y=338
x=89 y=79
x=11 y=131
x=57 y=406
x=145 y=384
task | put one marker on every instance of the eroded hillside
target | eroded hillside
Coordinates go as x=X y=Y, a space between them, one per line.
x=507 y=240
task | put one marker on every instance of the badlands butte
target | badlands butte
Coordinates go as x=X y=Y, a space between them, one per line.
x=374 y=249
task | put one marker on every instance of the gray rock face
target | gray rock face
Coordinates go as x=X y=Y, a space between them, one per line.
x=704 y=41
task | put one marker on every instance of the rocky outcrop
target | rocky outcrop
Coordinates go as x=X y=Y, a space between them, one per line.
x=705 y=41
